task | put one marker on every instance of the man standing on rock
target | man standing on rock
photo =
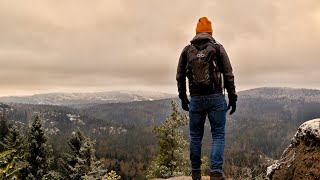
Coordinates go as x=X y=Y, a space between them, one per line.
x=206 y=65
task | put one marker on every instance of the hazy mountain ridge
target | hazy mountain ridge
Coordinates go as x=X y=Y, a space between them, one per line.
x=308 y=95
x=74 y=99
x=69 y=99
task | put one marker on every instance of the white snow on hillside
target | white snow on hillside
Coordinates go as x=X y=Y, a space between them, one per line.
x=111 y=130
x=75 y=118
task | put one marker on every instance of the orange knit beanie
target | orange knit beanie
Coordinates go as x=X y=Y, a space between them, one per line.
x=204 y=25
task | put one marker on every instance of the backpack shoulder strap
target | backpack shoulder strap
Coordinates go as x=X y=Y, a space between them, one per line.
x=217 y=47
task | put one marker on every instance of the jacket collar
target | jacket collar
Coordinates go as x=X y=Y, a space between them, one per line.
x=202 y=38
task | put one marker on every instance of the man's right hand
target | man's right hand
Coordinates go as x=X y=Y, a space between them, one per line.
x=185 y=104
x=184 y=101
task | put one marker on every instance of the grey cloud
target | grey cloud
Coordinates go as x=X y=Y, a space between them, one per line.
x=80 y=44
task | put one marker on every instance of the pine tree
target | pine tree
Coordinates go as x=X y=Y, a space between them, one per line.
x=39 y=152
x=81 y=163
x=4 y=128
x=172 y=147
x=14 y=143
x=14 y=140
x=112 y=175
x=9 y=170
x=53 y=175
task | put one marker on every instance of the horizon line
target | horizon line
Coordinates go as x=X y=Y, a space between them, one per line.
x=136 y=90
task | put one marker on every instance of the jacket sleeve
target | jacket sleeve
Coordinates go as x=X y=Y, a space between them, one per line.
x=181 y=74
x=228 y=76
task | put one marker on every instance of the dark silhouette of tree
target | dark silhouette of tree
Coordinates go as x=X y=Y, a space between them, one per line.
x=14 y=140
x=39 y=152
x=4 y=128
x=82 y=161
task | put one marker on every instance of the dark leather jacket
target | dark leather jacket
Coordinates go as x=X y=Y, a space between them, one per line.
x=223 y=64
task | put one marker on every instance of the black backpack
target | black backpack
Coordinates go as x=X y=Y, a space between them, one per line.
x=202 y=66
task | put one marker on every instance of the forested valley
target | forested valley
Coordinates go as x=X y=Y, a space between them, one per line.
x=121 y=138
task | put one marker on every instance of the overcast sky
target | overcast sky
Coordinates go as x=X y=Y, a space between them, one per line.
x=102 y=45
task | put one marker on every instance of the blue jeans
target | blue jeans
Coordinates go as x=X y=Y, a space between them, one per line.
x=215 y=107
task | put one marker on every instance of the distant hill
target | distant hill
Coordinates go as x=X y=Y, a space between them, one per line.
x=307 y=95
x=84 y=99
x=287 y=104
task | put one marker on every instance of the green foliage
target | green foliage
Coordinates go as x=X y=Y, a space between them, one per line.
x=205 y=170
x=171 y=159
x=4 y=128
x=9 y=169
x=112 y=175
x=53 y=175
x=81 y=163
x=39 y=152
x=14 y=140
x=14 y=143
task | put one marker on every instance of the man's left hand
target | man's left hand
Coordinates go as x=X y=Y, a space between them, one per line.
x=233 y=106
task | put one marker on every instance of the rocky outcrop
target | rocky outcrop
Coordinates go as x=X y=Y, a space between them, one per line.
x=184 y=178
x=301 y=160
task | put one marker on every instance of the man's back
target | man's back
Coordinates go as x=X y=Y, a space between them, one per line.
x=206 y=65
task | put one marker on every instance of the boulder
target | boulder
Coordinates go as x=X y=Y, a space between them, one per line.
x=184 y=178
x=301 y=160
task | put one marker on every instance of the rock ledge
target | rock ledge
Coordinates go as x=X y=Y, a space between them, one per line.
x=301 y=159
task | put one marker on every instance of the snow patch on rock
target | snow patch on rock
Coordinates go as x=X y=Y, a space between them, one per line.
x=311 y=127
x=273 y=167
